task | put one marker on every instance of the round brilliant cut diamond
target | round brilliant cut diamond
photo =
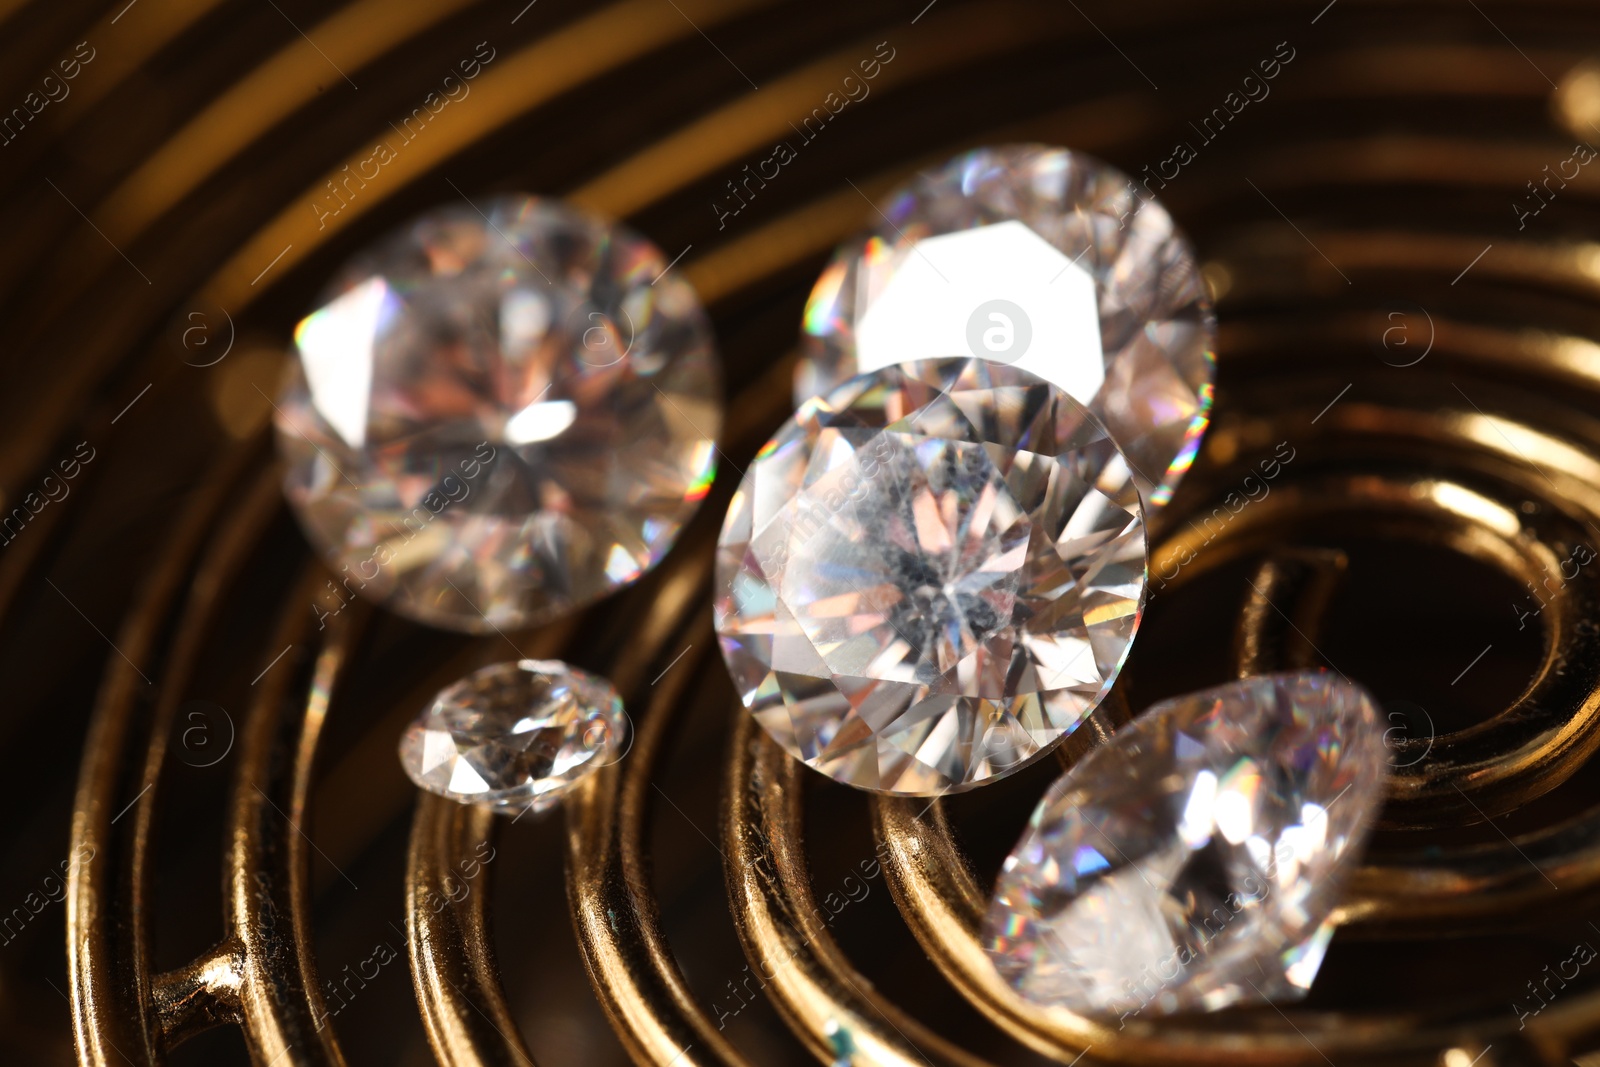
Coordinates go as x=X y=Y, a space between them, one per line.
x=496 y=418
x=515 y=735
x=1194 y=861
x=1106 y=299
x=929 y=576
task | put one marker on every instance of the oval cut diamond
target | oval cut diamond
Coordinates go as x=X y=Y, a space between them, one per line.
x=495 y=418
x=514 y=735
x=930 y=576
x=1039 y=257
x=1193 y=861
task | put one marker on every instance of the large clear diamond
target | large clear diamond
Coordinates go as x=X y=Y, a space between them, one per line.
x=1194 y=860
x=496 y=417
x=516 y=736
x=1104 y=296
x=931 y=575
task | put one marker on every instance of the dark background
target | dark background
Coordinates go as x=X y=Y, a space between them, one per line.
x=1395 y=145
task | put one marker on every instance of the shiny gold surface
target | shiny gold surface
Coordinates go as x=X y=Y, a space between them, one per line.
x=782 y=924
x=211 y=908
x=452 y=957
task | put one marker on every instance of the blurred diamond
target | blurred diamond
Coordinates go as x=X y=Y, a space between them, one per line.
x=929 y=576
x=1194 y=861
x=515 y=735
x=494 y=419
x=1117 y=310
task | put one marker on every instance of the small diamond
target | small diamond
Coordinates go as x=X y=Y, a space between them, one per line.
x=930 y=576
x=1194 y=861
x=496 y=418
x=515 y=735
x=1105 y=298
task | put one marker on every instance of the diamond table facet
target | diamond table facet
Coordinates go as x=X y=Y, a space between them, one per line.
x=1105 y=299
x=1194 y=860
x=496 y=418
x=516 y=736
x=929 y=576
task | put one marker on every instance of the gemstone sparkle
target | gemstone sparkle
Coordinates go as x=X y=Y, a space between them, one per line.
x=1194 y=860
x=929 y=576
x=515 y=735
x=493 y=419
x=1105 y=299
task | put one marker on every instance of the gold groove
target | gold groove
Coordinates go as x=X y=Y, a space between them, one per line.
x=1438 y=891
x=1450 y=890
x=1504 y=886
x=574 y=54
x=660 y=1006
x=9 y=8
x=136 y=39
x=681 y=594
x=338 y=644
x=107 y=940
x=506 y=90
x=1569 y=265
x=1569 y=358
x=937 y=894
x=22 y=554
x=1576 y=103
x=1465 y=164
x=1428 y=70
x=1498 y=765
x=613 y=910
x=756 y=121
x=453 y=967
x=265 y=866
x=814 y=228
x=1280 y=621
x=325 y=56
x=943 y=906
x=222 y=563
x=799 y=965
